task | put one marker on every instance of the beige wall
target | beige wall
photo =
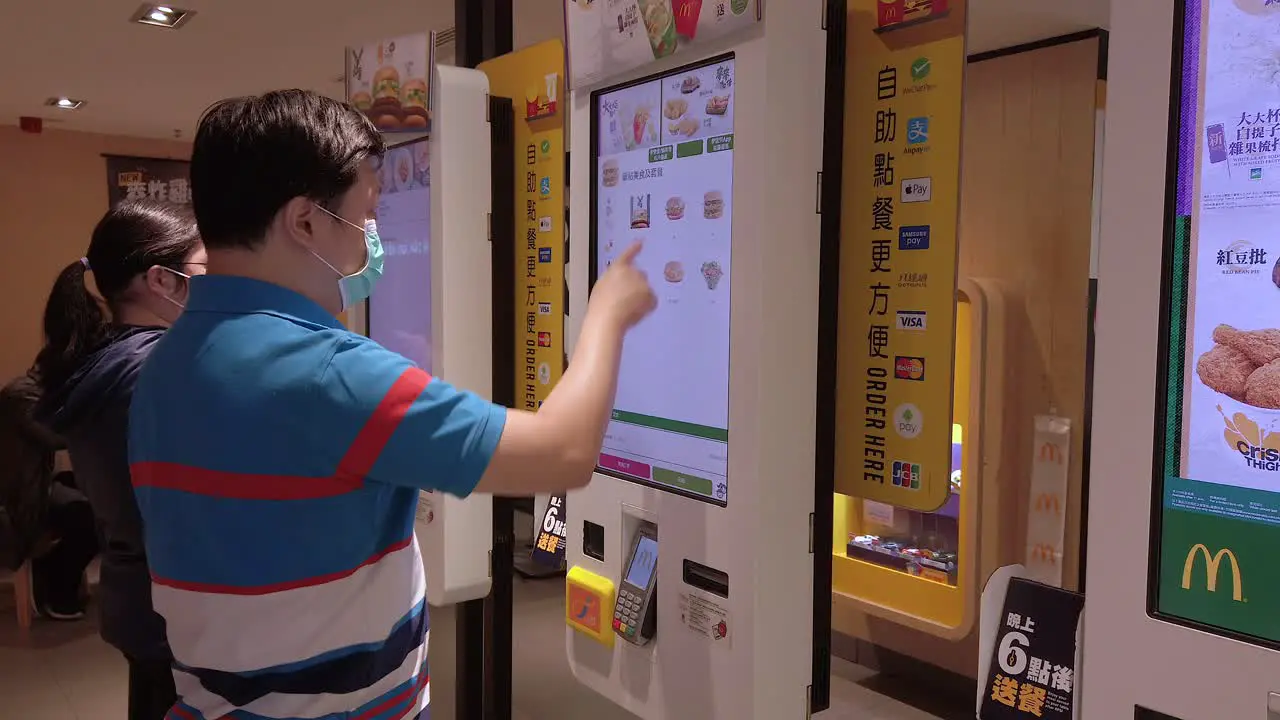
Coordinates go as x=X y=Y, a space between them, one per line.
x=53 y=189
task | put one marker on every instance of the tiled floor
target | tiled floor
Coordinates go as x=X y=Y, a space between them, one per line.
x=64 y=672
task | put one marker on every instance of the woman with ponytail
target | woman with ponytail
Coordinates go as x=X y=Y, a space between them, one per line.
x=140 y=257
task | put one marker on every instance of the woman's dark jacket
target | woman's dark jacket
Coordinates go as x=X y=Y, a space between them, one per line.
x=26 y=471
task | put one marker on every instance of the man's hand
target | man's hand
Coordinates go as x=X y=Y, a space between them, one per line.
x=623 y=294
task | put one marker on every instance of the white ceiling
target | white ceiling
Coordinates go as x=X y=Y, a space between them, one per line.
x=150 y=82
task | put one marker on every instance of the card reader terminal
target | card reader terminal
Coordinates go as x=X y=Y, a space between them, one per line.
x=635 y=616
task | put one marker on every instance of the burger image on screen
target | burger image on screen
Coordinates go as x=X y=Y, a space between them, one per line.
x=718 y=105
x=386 y=112
x=362 y=101
x=713 y=205
x=675 y=208
x=610 y=173
x=690 y=83
x=673 y=272
x=413 y=98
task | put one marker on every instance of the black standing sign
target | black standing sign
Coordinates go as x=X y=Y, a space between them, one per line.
x=548 y=549
x=139 y=178
x=1033 y=665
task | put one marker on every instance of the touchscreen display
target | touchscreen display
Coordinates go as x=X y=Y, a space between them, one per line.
x=663 y=175
x=645 y=560
x=1219 y=473
x=400 y=309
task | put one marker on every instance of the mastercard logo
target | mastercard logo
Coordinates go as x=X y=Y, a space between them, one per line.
x=908 y=368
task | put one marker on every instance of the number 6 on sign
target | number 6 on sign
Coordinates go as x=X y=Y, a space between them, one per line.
x=1012 y=654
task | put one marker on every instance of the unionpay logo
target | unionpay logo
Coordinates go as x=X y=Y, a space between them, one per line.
x=907 y=421
x=913 y=320
x=906 y=475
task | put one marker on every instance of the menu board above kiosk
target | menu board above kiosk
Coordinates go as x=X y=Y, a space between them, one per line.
x=610 y=37
x=662 y=165
x=1218 y=433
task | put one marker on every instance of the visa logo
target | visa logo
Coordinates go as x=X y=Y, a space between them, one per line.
x=913 y=320
x=544 y=255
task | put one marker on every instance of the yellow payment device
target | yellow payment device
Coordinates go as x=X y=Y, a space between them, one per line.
x=634 y=615
x=587 y=598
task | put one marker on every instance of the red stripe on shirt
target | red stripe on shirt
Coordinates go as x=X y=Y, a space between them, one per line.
x=411 y=693
x=379 y=428
x=239 y=486
x=213 y=589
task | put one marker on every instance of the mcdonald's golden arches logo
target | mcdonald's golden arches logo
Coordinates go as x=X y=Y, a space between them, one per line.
x=1045 y=553
x=1050 y=452
x=1048 y=502
x=1211 y=563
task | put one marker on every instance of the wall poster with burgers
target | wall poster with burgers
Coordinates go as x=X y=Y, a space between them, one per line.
x=388 y=82
x=1217 y=468
x=609 y=37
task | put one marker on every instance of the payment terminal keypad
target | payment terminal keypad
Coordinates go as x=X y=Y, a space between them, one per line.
x=626 y=614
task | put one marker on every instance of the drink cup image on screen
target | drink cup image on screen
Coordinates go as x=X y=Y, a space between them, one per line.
x=660 y=25
x=639 y=212
x=670 y=424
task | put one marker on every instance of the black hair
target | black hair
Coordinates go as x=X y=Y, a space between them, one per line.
x=252 y=155
x=130 y=239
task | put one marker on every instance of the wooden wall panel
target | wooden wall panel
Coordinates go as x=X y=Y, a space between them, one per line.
x=1026 y=218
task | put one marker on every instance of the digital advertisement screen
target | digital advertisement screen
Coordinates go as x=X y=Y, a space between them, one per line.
x=400 y=309
x=663 y=167
x=1218 y=474
x=645 y=560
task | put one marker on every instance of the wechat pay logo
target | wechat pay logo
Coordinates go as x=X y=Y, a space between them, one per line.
x=920 y=69
x=907 y=421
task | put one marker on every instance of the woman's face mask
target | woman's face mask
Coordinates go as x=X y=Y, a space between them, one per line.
x=358 y=286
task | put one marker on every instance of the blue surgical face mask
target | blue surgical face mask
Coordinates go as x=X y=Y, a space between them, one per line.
x=358 y=286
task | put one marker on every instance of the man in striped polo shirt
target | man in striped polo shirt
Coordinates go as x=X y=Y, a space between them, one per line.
x=277 y=457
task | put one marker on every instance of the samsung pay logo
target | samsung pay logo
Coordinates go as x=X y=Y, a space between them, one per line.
x=913 y=320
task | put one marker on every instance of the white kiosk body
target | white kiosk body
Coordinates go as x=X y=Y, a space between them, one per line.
x=1194 y=637
x=435 y=301
x=748 y=652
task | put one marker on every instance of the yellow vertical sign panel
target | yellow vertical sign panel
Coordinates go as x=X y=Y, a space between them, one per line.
x=900 y=210
x=534 y=80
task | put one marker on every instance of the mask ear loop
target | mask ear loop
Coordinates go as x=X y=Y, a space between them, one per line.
x=184 y=276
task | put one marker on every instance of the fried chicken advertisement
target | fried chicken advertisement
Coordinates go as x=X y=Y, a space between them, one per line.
x=1244 y=365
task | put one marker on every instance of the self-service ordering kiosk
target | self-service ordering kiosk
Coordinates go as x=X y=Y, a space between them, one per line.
x=434 y=304
x=690 y=588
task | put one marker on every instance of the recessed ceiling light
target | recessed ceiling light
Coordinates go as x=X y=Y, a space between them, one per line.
x=161 y=16
x=64 y=103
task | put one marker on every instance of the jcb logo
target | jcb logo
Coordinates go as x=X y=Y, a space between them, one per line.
x=1048 y=502
x=1045 y=553
x=1050 y=453
x=1211 y=563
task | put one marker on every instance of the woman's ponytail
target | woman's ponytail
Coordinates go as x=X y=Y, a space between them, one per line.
x=75 y=324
